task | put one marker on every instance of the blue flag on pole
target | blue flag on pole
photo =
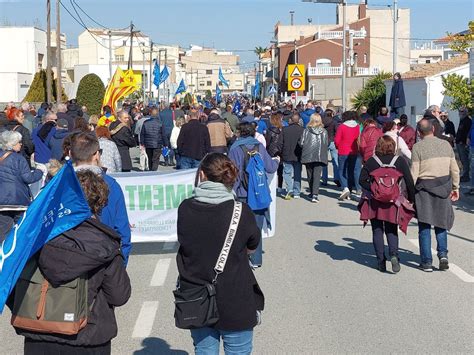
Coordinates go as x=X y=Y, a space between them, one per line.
x=181 y=88
x=60 y=206
x=164 y=75
x=222 y=79
x=237 y=107
x=218 y=94
x=156 y=74
x=256 y=89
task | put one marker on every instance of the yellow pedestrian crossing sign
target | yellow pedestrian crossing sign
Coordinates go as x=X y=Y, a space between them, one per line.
x=296 y=77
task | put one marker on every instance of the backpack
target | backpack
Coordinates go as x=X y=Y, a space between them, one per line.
x=42 y=308
x=254 y=180
x=385 y=181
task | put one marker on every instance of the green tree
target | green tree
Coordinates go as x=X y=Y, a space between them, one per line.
x=90 y=93
x=459 y=90
x=462 y=43
x=372 y=95
x=259 y=51
x=37 y=90
x=208 y=94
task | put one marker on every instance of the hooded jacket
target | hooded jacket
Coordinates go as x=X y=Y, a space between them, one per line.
x=291 y=136
x=368 y=141
x=346 y=138
x=306 y=115
x=219 y=133
x=94 y=249
x=314 y=144
x=56 y=143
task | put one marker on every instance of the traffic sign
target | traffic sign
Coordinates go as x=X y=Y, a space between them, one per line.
x=296 y=77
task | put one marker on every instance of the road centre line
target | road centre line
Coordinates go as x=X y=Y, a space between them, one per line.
x=146 y=318
x=456 y=270
x=160 y=273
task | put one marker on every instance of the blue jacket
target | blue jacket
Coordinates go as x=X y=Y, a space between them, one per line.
x=166 y=117
x=306 y=116
x=153 y=133
x=42 y=151
x=56 y=143
x=236 y=154
x=472 y=137
x=15 y=176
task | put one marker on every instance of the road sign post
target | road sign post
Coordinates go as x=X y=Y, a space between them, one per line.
x=296 y=79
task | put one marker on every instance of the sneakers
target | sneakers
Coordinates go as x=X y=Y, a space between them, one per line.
x=395 y=264
x=382 y=267
x=358 y=193
x=296 y=197
x=426 y=267
x=287 y=197
x=315 y=199
x=443 y=263
x=344 y=194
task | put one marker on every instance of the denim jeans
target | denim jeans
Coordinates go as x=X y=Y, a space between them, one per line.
x=189 y=163
x=391 y=230
x=335 y=165
x=207 y=340
x=256 y=258
x=347 y=167
x=292 y=177
x=357 y=170
x=463 y=151
x=472 y=167
x=424 y=238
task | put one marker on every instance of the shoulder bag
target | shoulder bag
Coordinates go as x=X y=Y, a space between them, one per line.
x=197 y=307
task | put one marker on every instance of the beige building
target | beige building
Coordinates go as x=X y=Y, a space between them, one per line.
x=202 y=70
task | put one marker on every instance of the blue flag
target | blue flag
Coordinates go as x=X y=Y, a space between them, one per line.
x=218 y=94
x=164 y=75
x=237 y=107
x=256 y=89
x=156 y=74
x=60 y=206
x=222 y=79
x=181 y=88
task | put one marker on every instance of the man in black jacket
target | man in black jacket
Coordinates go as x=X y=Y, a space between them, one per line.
x=153 y=138
x=291 y=156
x=464 y=129
x=123 y=138
x=194 y=142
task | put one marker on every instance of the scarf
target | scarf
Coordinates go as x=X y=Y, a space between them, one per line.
x=245 y=141
x=213 y=193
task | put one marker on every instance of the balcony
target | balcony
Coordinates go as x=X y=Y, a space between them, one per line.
x=362 y=33
x=337 y=71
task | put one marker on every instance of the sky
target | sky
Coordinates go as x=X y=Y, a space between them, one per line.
x=238 y=25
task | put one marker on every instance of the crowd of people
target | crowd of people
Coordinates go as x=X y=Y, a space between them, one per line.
x=396 y=171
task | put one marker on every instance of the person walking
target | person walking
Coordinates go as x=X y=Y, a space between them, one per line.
x=109 y=155
x=180 y=121
x=406 y=131
x=306 y=114
x=239 y=298
x=346 y=143
x=219 y=133
x=153 y=138
x=330 y=126
x=194 y=142
x=231 y=118
x=122 y=136
x=291 y=156
x=314 y=155
x=436 y=175
x=383 y=215
x=390 y=129
x=56 y=141
x=91 y=249
x=274 y=140
x=464 y=129
x=368 y=139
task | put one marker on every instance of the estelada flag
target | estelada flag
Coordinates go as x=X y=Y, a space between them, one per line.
x=123 y=83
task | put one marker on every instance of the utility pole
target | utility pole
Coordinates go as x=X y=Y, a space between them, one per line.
x=151 y=63
x=143 y=74
x=344 y=60
x=59 y=76
x=296 y=62
x=165 y=87
x=110 y=55
x=49 y=95
x=130 y=56
x=351 y=53
x=292 y=14
x=395 y=35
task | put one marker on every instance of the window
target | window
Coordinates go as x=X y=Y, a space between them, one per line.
x=40 y=61
x=365 y=58
x=209 y=83
x=323 y=62
x=428 y=61
x=208 y=71
x=238 y=82
x=119 y=57
x=202 y=83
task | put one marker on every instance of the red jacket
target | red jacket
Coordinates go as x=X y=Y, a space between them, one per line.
x=346 y=138
x=408 y=134
x=368 y=141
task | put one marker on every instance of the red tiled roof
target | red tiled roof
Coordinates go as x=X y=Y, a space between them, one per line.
x=430 y=69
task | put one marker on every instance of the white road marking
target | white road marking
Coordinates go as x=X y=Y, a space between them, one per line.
x=169 y=245
x=145 y=320
x=456 y=270
x=160 y=273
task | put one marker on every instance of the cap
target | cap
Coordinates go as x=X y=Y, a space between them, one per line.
x=62 y=123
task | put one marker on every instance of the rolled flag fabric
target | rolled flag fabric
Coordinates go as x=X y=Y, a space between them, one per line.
x=60 y=206
x=256 y=89
x=156 y=74
x=222 y=79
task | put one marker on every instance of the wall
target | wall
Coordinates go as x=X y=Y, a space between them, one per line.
x=291 y=33
x=18 y=85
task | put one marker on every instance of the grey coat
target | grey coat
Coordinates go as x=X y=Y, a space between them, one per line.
x=314 y=144
x=433 y=203
x=110 y=157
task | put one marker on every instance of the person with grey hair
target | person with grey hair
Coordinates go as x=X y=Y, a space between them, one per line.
x=29 y=118
x=123 y=137
x=433 y=114
x=15 y=176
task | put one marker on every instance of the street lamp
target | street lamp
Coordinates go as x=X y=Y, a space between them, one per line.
x=344 y=20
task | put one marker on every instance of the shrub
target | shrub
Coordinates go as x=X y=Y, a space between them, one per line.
x=91 y=93
x=372 y=95
x=37 y=90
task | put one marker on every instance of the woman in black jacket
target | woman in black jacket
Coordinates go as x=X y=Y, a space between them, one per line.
x=91 y=248
x=274 y=140
x=238 y=296
x=123 y=137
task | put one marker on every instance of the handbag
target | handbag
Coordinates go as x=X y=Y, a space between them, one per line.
x=197 y=307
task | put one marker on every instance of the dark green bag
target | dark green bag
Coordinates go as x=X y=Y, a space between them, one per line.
x=42 y=308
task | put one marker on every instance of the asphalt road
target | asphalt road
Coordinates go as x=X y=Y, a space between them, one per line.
x=323 y=293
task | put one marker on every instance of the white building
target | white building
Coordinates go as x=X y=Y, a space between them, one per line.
x=23 y=54
x=423 y=87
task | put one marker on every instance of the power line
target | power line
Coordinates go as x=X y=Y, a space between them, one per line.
x=97 y=23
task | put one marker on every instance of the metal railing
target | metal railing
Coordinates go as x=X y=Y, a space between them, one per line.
x=337 y=71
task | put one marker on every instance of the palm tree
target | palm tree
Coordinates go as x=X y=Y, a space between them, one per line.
x=259 y=51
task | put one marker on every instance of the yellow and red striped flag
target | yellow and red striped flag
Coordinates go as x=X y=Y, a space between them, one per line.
x=123 y=83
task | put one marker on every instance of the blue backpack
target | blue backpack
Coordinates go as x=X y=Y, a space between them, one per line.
x=255 y=180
